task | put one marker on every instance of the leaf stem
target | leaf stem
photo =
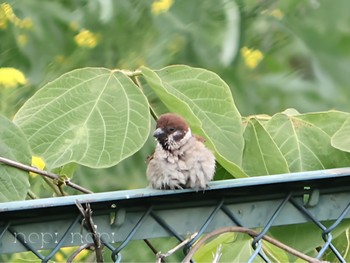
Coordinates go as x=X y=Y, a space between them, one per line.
x=87 y=214
x=52 y=186
x=31 y=195
x=43 y=173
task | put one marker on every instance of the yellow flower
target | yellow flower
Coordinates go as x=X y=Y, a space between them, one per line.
x=161 y=6
x=74 y=25
x=60 y=59
x=86 y=38
x=11 y=77
x=276 y=13
x=3 y=19
x=22 y=39
x=252 y=57
x=65 y=252
x=38 y=163
x=26 y=23
x=7 y=14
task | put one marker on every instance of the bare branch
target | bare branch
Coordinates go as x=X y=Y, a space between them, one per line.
x=252 y=233
x=43 y=173
x=161 y=256
x=78 y=250
x=87 y=214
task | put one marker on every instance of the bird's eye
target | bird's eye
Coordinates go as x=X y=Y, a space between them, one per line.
x=171 y=129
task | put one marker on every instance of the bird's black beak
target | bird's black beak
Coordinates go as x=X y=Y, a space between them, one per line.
x=159 y=134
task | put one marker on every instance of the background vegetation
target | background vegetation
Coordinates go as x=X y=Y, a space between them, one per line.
x=298 y=51
x=273 y=54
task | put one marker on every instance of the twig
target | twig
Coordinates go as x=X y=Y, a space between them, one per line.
x=43 y=173
x=53 y=186
x=78 y=250
x=253 y=234
x=160 y=256
x=87 y=214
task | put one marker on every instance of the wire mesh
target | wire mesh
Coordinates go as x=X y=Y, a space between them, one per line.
x=175 y=214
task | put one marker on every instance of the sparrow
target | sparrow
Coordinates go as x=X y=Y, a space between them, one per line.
x=180 y=159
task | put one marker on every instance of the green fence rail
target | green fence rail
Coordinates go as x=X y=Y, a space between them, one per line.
x=121 y=216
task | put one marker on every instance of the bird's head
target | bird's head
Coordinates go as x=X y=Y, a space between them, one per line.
x=172 y=131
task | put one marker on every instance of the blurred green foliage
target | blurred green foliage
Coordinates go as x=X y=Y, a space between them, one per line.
x=304 y=44
x=300 y=49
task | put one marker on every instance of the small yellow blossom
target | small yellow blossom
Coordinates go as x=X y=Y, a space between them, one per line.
x=86 y=38
x=276 y=13
x=3 y=19
x=11 y=77
x=38 y=163
x=22 y=39
x=252 y=57
x=74 y=25
x=161 y=6
x=60 y=59
x=3 y=23
x=65 y=252
x=26 y=23
x=7 y=15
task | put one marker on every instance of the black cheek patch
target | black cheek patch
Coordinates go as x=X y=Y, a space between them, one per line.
x=178 y=136
x=164 y=143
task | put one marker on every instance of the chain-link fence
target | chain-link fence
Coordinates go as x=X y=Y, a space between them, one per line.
x=113 y=219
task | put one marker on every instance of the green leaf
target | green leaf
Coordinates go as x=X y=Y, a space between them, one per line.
x=205 y=100
x=342 y=243
x=341 y=139
x=327 y=121
x=92 y=116
x=235 y=248
x=304 y=140
x=261 y=154
x=66 y=170
x=14 y=183
x=307 y=237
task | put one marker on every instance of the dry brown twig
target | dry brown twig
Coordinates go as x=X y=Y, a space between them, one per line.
x=160 y=256
x=87 y=215
x=52 y=176
x=78 y=250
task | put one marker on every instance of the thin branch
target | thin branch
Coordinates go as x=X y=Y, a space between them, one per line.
x=87 y=214
x=43 y=173
x=160 y=256
x=253 y=234
x=78 y=250
x=51 y=185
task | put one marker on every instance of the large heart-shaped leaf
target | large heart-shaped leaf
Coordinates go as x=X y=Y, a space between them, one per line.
x=261 y=154
x=14 y=183
x=92 y=116
x=305 y=140
x=205 y=100
x=341 y=138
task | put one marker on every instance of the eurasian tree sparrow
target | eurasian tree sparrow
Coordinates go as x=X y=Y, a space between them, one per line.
x=180 y=159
